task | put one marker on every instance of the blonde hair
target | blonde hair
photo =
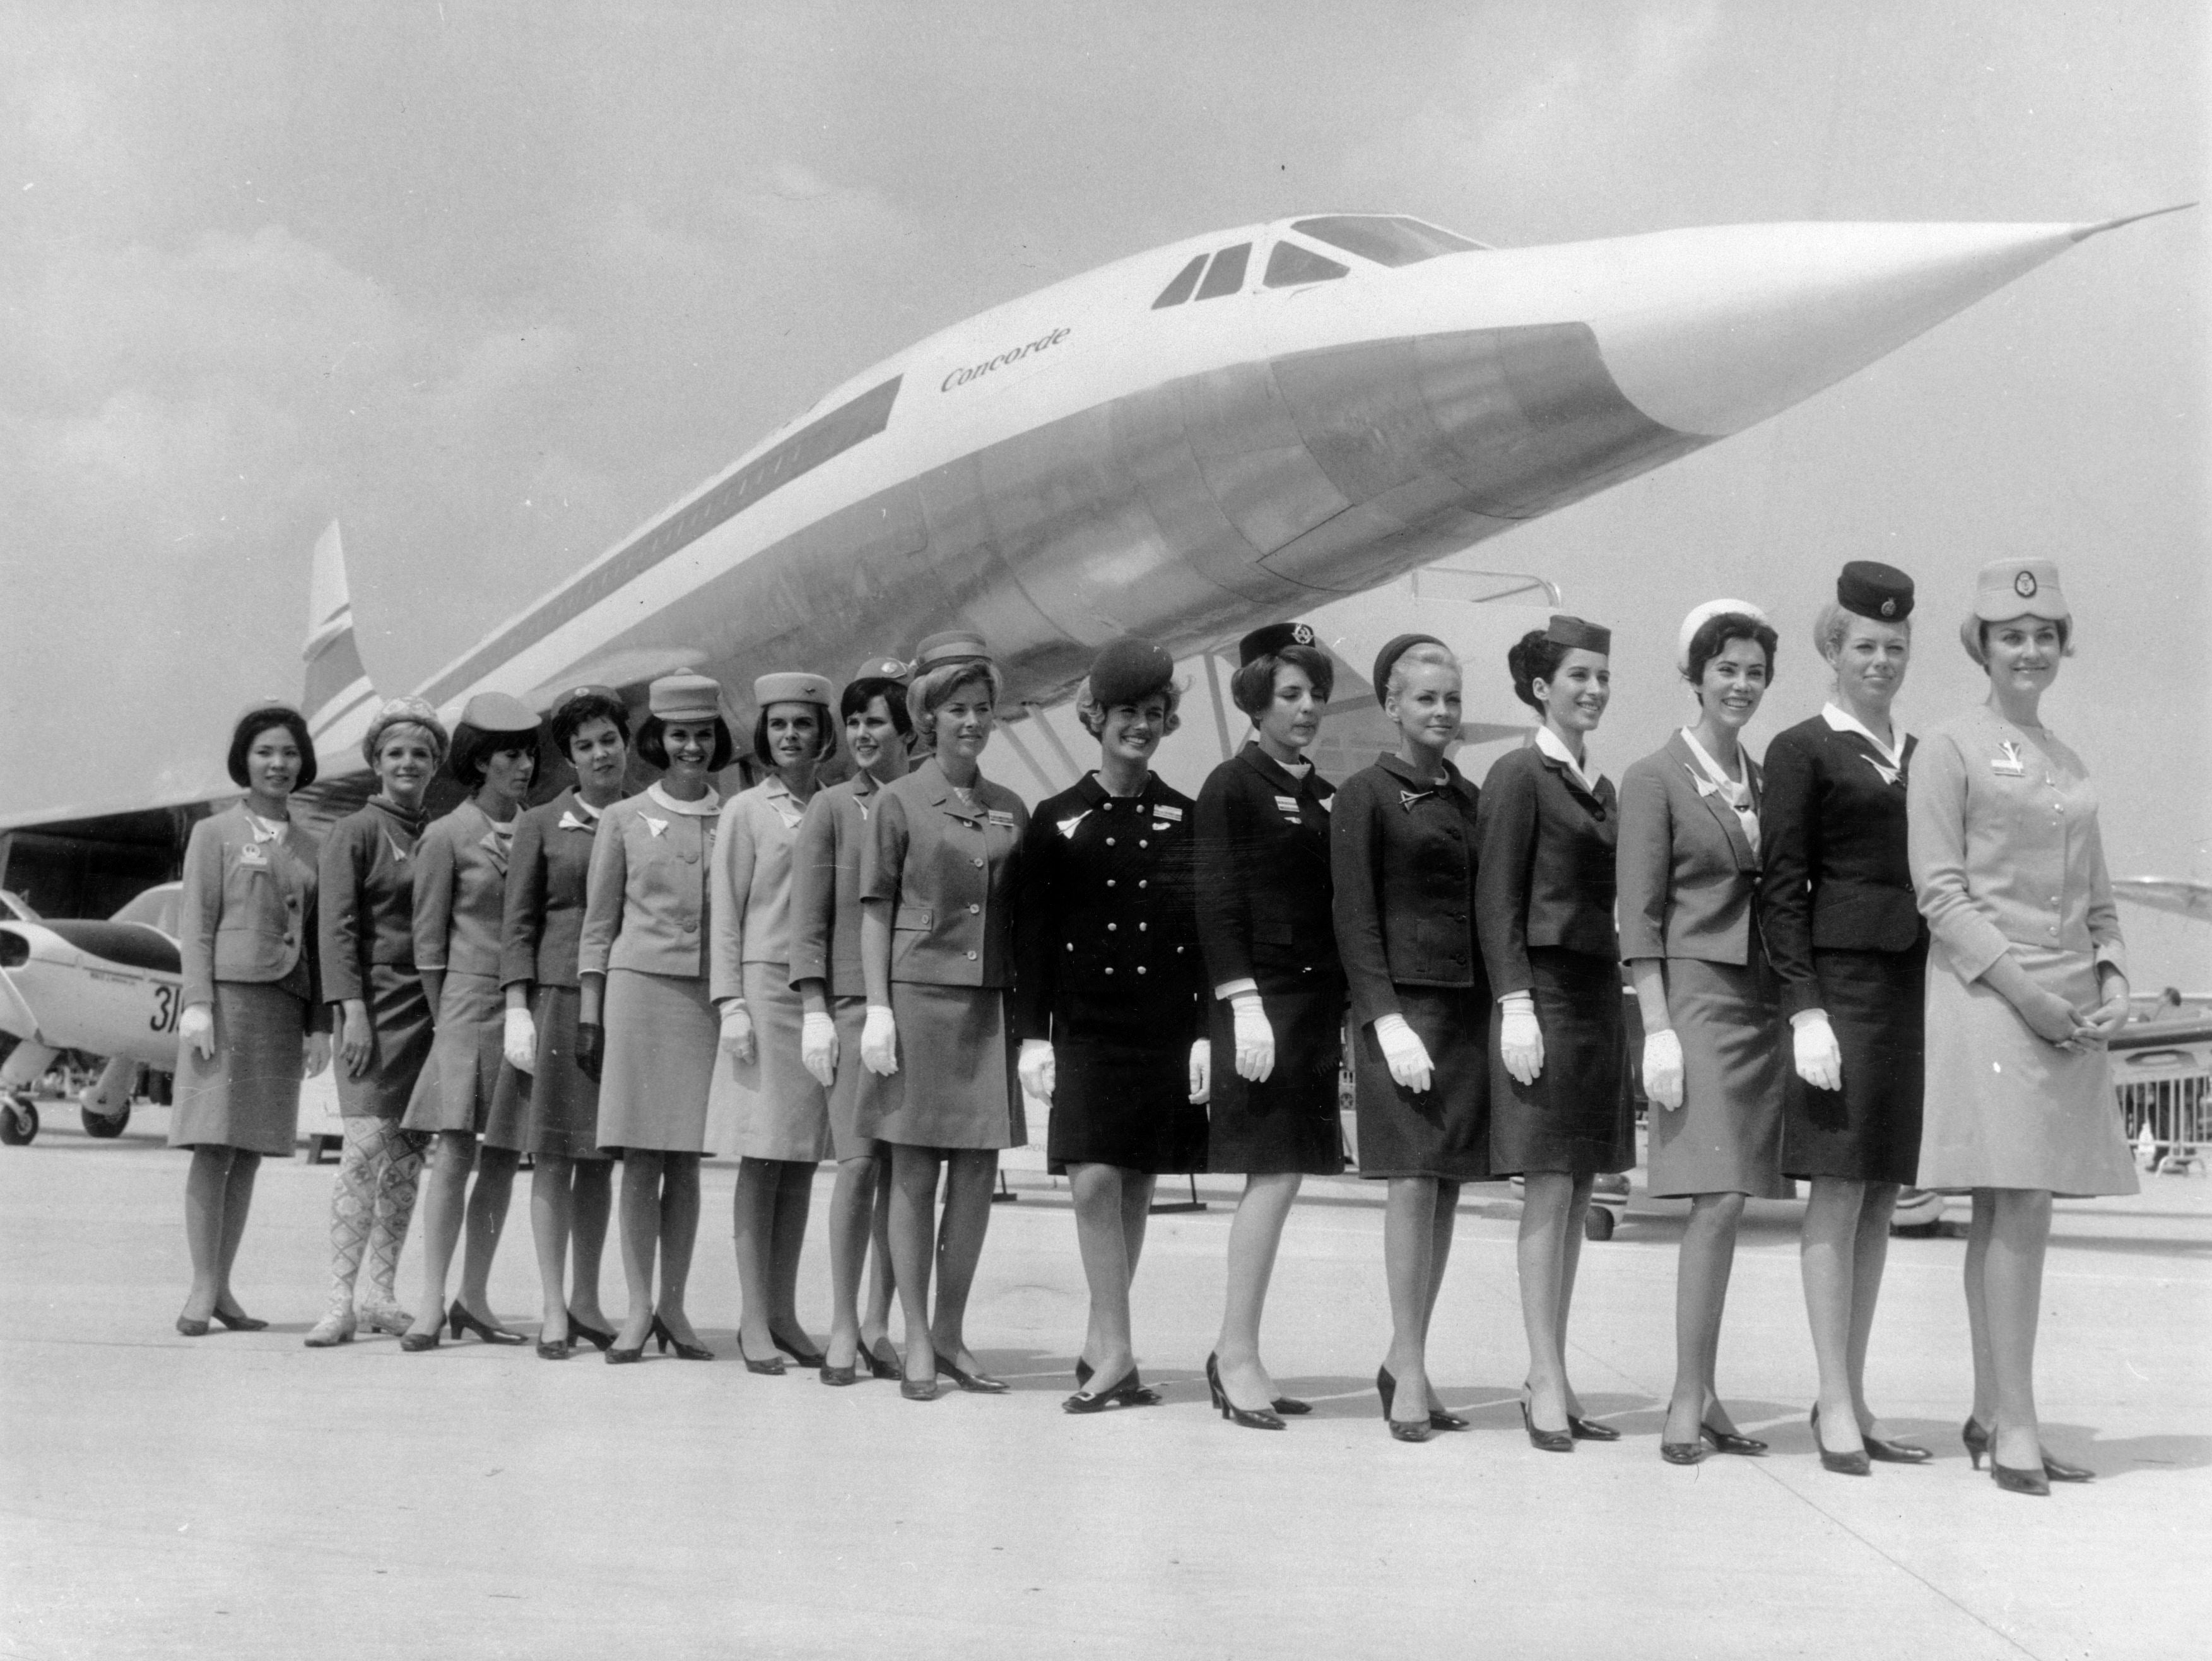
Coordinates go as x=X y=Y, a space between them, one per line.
x=1427 y=651
x=1833 y=626
x=935 y=686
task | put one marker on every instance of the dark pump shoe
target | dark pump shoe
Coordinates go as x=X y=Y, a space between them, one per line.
x=1250 y=1418
x=1728 y=1441
x=459 y=1318
x=661 y=1335
x=1548 y=1441
x=882 y=1364
x=1130 y=1392
x=1682 y=1453
x=1401 y=1430
x=771 y=1365
x=1589 y=1430
x=591 y=1335
x=1853 y=1463
x=800 y=1352
x=975 y=1383
x=241 y=1322
x=2057 y=1470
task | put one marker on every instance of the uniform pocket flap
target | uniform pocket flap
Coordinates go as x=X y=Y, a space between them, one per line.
x=912 y=917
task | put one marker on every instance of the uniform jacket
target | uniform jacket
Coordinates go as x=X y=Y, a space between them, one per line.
x=1105 y=921
x=1687 y=876
x=1264 y=888
x=365 y=900
x=247 y=911
x=2005 y=848
x=751 y=877
x=1832 y=846
x=951 y=872
x=1547 y=874
x=460 y=894
x=1404 y=859
x=645 y=905
x=825 y=885
x=547 y=870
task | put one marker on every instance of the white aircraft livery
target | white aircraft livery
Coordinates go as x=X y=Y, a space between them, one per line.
x=1219 y=433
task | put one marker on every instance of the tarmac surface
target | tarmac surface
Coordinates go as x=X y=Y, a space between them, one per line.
x=239 y=1496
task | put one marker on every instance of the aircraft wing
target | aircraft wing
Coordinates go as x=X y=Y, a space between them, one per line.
x=2183 y=895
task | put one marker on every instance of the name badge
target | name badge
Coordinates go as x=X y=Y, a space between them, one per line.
x=251 y=854
x=1167 y=810
x=1287 y=805
x=1001 y=818
x=2008 y=763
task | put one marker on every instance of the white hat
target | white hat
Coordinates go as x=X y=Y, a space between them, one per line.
x=1696 y=620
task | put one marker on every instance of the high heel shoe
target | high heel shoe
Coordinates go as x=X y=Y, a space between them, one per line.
x=386 y=1317
x=595 y=1336
x=556 y=1351
x=1401 y=1430
x=1130 y=1392
x=1548 y=1441
x=460 y=1320
x=190 y=1328
x=660 y=1333
x=415 y=1342
x=2059 y=1471
x=1589 y=1430
x=1976 y=1438
x=1884 y=1452
x=840 y=1377
x=1854 y=1464
x=770 y=1367
x=2018 y=1482
x=1683 y=1453
x=617 y=1356
x=1250 y=1418
x=801 y=1356
x=1728 y=1441
x=882 y=1366
x=1977 y=1444
x=975 y=1383
x=1291 y=1405
x=917 y=1389
x=241 y=1322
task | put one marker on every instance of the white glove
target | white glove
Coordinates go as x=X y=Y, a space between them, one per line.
x=1819 y=1058
x=817 y=1048
x=738 y=1030
x=1404 y=1053
x=316 y=1056
x=1662 y=1068
x=1255 y=1039
x=1202 y=1070
x=1520 y=1039
x=1036 y=1069
x=197 y=1028
x=879 y=1041
x=521 y=1041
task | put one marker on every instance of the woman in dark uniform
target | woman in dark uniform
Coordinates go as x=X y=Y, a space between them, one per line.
x=252 y=1022
x=645 y=1027
x=1851 y=954
x=937 y=888
x=546 y=874
x=1558 y=1113
x=1689 y=871
x=1277 y=1014
x=468 y=1090
x=365 y=897
x=1404 y=868
x=1109 y=994
x=826 y=973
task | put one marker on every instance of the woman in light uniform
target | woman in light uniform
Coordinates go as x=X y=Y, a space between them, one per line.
x=645 y=1027
x=2027 y=985
x=252 y=1022
x=777 y=1113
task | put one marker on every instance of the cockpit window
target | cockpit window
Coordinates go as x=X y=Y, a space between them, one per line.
x=1289 y=265
x=1179 y=290
x=1386 y=239
x=1226 y=274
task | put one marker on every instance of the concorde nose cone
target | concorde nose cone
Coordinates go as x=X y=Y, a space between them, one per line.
x=1732 y=323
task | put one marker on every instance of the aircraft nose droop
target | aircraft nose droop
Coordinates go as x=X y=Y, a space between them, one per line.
x=1721 y=327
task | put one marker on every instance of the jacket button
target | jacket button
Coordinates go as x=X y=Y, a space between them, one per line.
x=1109 y=842
x=1143 y=926
x=1111 y=927
x=1109 y=970
x=978 y=864
x=1142 y=883
x=1140 y=968
x=971 y=957
x=1141 y=842
x=974 y=908
x=1110 y=882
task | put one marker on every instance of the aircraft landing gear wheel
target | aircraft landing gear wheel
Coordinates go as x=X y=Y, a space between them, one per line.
x=105 y=1126
x=19 y=1122
x=1597 y=1223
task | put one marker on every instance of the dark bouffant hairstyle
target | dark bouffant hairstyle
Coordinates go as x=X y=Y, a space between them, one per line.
x=1717 y=631
x=825 y=741
x=1253 y=686
x=574 y=716
x=473 y=748
x=252 y=724
x=653 y=744
x=1536 y=656
x=855 y=699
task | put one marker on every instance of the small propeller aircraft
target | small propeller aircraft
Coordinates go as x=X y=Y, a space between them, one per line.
x=113 y=990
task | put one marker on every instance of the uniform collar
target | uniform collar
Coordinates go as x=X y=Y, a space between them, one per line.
x=409 y=820
x=1551 y=745
x=939 y=788
x=1395 y=764
x=1280 y=777
x=1093 y=790
x=1840 y=720
x=706 y=807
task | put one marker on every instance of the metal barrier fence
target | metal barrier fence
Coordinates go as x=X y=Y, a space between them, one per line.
x=2162 y=1075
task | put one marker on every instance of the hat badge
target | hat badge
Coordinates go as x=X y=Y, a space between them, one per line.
x=2024 y=584
x=1303 y=634
x=1889 y=608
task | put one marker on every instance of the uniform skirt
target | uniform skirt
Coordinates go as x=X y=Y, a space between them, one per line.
x=1445 y=1131
x=1121 y=1095
x=563 y=1121
x=769 y=1107
x=1290 y=1121
x=467 y=1085
x=2004 y=1108
x=247 y=1095
x=1726 y=1138
x=1577 y=1116
x=1869 y=1131
x=662 y=1036
x=956 y=1057
x=859 y=1096
x=400 y=1044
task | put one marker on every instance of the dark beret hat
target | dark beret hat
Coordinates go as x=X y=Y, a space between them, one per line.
x=1126 y=671
x=1872 y=589
x=1276 y=635
x=1392 y=650
x=1577 y=635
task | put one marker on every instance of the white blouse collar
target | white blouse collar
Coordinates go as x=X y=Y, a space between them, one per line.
x=1556 y=747
x=706 y=807
x=1840 y=720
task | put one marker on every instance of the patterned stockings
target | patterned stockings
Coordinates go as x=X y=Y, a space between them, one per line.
x=371 y=1206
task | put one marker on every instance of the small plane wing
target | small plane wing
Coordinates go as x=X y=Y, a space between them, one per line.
x=2185 y=897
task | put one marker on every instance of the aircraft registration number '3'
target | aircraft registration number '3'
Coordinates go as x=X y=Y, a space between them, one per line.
x=168 y=1001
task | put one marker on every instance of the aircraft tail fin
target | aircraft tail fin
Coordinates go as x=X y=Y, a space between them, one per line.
x=337 y=696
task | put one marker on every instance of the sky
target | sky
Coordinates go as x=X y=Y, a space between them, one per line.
x=491 y=284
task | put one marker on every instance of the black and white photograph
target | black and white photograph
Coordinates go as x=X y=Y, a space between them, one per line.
x=1449 y=759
